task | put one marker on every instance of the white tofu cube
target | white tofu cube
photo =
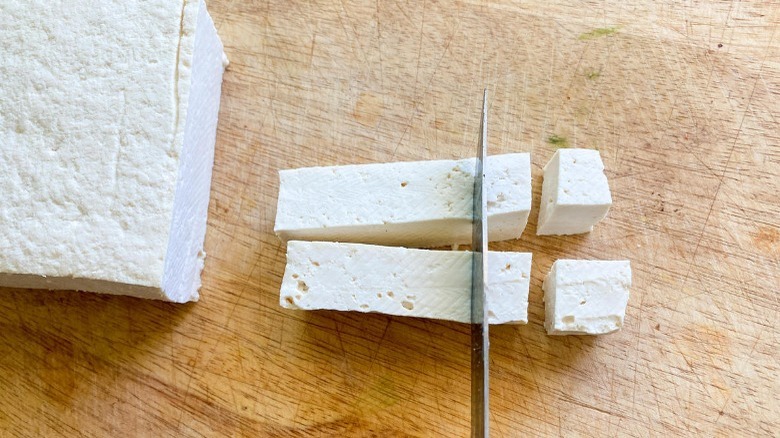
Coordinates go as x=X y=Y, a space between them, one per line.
x=575 y=193
x=401 y=281
x=417 y=204
x=585 y=297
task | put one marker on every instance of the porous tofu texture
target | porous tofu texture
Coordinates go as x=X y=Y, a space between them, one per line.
x=401 y=281
x=417 y=204
x=586 y=296
x=575 y=193
x=107 y=122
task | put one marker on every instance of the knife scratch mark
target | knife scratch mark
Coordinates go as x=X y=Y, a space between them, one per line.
x=379 y=47
x=341 y=343
x=379 y=344
x=356 y=39
x=419 y=50
x=416 y=109
x=728 y=160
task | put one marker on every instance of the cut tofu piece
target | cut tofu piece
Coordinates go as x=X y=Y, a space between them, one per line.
x=575 y=193
x=401 y=281
x=108 y=115
x=585 y=297
x=417 y=204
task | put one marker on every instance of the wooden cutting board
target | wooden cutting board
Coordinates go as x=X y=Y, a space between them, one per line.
x=682 y=101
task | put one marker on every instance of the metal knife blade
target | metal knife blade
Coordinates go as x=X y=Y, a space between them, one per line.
x=479 y=322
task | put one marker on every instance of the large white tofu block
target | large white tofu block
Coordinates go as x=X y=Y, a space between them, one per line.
x=108 y=115
x=417 y=204
x=401 y=281
x=586 y=297
x=575 y=193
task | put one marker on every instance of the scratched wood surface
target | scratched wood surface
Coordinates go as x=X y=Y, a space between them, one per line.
x=682 y=101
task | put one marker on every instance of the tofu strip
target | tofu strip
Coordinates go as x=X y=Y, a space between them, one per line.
x=402 y=281
x=415 y=204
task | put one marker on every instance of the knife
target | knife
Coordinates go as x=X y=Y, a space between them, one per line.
x=479 y=321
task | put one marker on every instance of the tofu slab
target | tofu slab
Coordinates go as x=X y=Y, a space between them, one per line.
x=401 y=281
x=415 y=204
x=586 y=297
x=108 y=114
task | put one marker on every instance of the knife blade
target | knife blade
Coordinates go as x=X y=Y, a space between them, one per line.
x=479 y=323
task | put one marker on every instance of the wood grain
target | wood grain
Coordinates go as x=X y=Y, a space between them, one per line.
x=682 y=100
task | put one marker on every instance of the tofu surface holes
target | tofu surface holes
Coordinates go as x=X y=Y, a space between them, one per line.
x=108 y=115
x=575 y=193
x=413 y=204
x=402 y=281
x=586 y=296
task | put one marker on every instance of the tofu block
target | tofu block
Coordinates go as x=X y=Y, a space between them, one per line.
x=575 y=193
x=585 y=297
x=416 y=204
x=401 y=281
x=108 y=115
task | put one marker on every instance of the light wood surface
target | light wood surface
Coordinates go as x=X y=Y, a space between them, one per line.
x=682 y=100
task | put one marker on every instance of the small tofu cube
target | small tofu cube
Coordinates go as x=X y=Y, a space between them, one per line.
x=575 y=193
x=585 y=297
